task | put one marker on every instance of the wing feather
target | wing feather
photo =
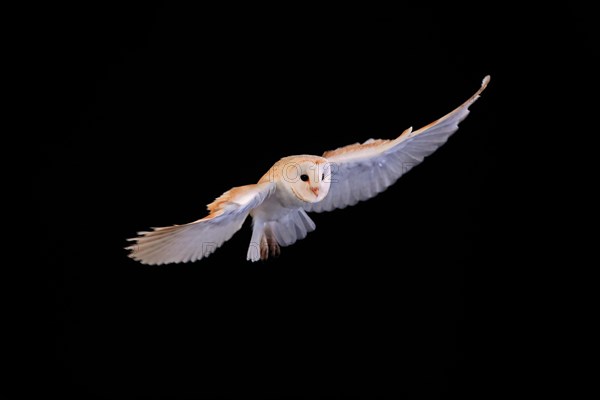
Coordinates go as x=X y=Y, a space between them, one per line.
x=198 y=239
x=361 y=171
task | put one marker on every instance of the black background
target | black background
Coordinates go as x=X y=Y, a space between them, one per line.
x=155 y=111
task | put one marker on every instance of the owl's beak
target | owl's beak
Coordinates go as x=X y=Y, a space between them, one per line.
x=315 y=190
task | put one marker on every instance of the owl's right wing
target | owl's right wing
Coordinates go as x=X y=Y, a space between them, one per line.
x=198 y=239
x=361 y=171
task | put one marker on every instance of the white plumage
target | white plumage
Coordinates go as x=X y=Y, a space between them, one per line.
x=294 y=185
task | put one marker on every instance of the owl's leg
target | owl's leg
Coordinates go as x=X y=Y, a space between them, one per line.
x=263 y=243
x=268 y=244
x=272 y=247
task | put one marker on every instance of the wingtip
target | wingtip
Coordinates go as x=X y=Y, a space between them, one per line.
x=477 y=94
x=485 y=81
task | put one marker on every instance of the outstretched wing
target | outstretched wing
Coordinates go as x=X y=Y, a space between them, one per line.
x=198 y=239
x=361 y=171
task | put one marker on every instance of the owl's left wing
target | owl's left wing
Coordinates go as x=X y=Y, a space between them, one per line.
x=361 y=171
x=198 y=239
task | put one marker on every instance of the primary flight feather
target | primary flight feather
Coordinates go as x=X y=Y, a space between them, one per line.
x=294 y=185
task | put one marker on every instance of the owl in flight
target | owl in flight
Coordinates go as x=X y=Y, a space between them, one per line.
x=294 y=185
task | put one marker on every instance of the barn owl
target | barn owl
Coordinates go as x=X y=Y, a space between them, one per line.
x=293 y=186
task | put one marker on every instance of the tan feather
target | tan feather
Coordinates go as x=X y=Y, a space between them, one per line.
x=371 y=143
x=234 y=196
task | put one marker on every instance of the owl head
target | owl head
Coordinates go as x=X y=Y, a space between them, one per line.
x=308 y=178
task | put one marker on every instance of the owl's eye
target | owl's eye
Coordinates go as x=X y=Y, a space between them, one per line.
x=304 y=177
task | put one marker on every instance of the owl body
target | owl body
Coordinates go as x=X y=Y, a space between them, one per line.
x=281 y=220
x=294 y=185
